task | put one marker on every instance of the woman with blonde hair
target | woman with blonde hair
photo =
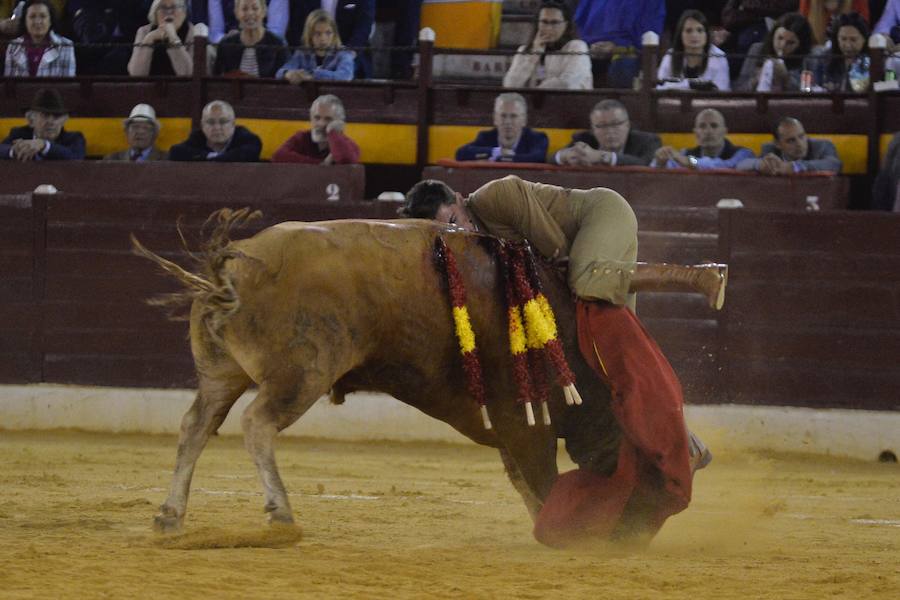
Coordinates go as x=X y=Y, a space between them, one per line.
x=163 y=46
x=322 y=55
x=819 y=13
x=252 y=51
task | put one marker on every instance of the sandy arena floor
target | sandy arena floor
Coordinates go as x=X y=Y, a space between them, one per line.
x=422 y=521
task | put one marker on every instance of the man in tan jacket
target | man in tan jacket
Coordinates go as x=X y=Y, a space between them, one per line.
x=595 y=232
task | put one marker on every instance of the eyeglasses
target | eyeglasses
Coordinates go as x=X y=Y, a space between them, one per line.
x=170 y=8
x=550 y=22
x=213 y=122
x=609 y=125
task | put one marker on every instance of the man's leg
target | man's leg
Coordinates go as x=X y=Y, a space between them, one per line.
x=708 y=279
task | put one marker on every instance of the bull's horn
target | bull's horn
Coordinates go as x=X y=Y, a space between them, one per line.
x=529 y=414
x=485 y=418
x=545 y=412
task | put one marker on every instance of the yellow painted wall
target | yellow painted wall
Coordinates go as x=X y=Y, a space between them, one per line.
x=463 y=23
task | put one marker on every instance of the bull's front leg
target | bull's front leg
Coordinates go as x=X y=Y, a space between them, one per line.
x=529 y=455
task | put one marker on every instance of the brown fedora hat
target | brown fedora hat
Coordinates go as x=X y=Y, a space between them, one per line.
x=48 y=101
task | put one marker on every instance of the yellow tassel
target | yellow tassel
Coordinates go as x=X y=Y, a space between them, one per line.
x=538 y=330
x=464 y=329
x=548 y=313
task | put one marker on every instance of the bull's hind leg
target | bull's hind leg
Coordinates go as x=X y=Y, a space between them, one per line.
x=278 y=405
x=217 y=392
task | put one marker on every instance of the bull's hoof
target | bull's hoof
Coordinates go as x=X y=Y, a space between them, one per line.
x=277 y=517
x=167 y=521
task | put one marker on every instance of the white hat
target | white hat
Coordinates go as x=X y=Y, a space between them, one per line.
x=142 y=112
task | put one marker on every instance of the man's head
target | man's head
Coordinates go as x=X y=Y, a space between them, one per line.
x=510 y=117
x=217 y=123
x=324 y=110
x=610 y=125
x=709 y=127
x=141 y=127
x=433 y=199
x=790 y=138
x=47 y=114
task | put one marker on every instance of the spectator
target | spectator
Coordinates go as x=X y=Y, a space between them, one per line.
x=510 y=140
x=322 y=55
x=793 y=152
x=554 y=57
x=847 y=66
x=354 y=19
x=820 y=13
x=889 y=24
x=253 y=51
x=611 y=141
x=11 y=12
x=613 y=29
x=887 y=183
x=141 y=131
x=38 y=51
x=746 y=22
x=101 y=22
x=713 y=150
x=164 y=46
x=218 y=140
x=44 y=138
x=693 y=62
x=325 y=143
x=222 y=19
x=776 y=64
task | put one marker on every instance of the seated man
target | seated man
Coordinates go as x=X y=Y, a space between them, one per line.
x=595 y=232
x=44 y=138
x=141 y=131
x=510 y=140
x=218 y=140
x=793 y=152
x=611 y=141
x=325 y=143
x=713 y=150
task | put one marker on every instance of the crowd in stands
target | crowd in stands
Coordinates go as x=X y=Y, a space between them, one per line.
x=748 y=45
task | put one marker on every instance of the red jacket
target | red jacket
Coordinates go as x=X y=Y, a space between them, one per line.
x=300 y=148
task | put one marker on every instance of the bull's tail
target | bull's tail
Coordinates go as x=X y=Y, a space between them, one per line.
x=209 y=287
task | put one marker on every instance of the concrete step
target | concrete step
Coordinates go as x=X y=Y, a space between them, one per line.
x=515 y=30
x=521 y=7
x=477 y=68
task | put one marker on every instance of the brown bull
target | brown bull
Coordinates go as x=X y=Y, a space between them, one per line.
x=302 y=309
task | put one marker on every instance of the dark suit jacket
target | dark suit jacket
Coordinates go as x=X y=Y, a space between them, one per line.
x=68 y=146
x=200 y=13
x=155 y=154
x=271 y=53
x=532 y=147
x=821 y=155
x=244 y=147
x=354 y=20
x=639 y=147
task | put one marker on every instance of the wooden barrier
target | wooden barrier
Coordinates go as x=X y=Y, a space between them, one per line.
x=230 y=182
x=644 y=186
x=813 y=310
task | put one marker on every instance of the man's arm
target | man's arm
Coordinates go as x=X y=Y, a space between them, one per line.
x=707 y=162
x=245 y=147
x=532 y=147
x=296 y=150
x=192 y=149
x=641 y=151
x=344 y=151
x=71 y=147
x=825 y=158
x=480 y=149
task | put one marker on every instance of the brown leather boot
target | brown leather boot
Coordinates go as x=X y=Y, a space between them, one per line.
x=708 y=279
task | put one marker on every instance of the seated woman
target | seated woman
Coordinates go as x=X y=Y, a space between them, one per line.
x=693 y=62
x=322 y=56
x=253 y=51
x=845 y=67
x=544 y=62
x=775 y=64
x=38 y=51
x=820 y=14
x=163 y=46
